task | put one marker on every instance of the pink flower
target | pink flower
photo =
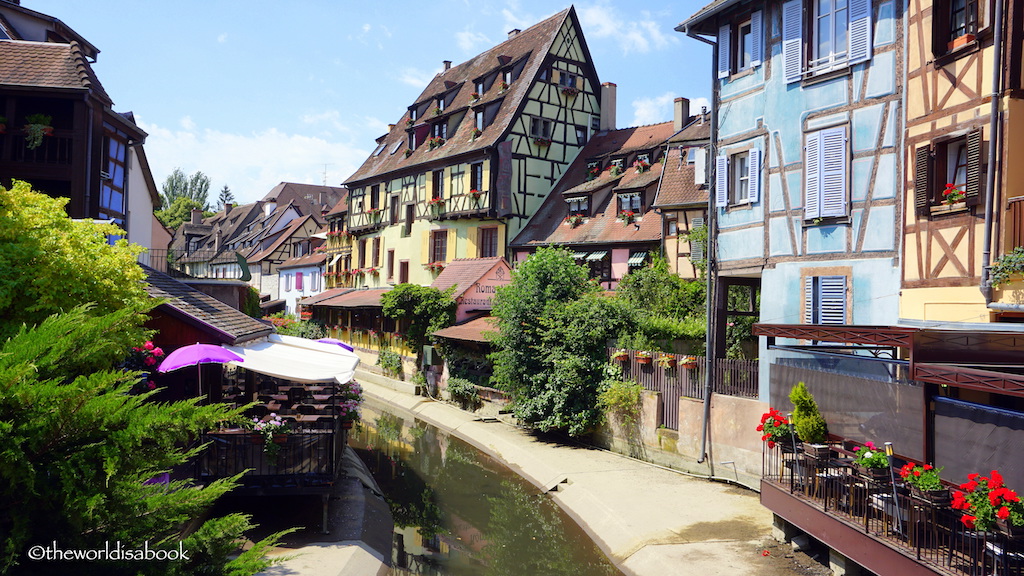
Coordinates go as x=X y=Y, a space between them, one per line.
x=158 y=352
x=148 y=345
x=149 y=361
x=151 y=385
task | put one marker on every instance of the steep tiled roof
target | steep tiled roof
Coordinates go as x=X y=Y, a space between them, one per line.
x=202 y=310
x=604 y=179
x=356 y=299
x=695 y=130
x=312 y=199
x=48 y=65
x=475 y=330
x=340 y=207
x=282 y=237
x=325 y=295
x=307 y=260
x=463 y=273
x=677 y=184
x=634 y=180
x=532 y=44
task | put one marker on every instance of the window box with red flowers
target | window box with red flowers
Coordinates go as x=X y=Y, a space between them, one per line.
x=373 y=271
x=542 y=142
x=925 y=483
x=641 y=166
x=503 y=86
x=988 y=504
x=476 y=195
x=615 y=170
x=666 y=361
x=435 y=142
x=375 y=214
x=593 y=172
x=475 y=133
x=952 y=195
x=435 y=267
x=408 y=152
x=438 y=111
x=570 y=91
x=776 y=429
x=627 y=216
x=871 y=462
x=574 y=220
x=475 y=96
x=643 y=357
x=358 y=272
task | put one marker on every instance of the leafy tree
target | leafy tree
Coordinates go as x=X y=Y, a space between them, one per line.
x=78 y=449
x=426 y=310
x=52 y=263
x=656 y=290
x=178 y=185
x=178 y=212
x=226 y=196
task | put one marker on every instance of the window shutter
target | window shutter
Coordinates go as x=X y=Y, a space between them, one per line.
x=471 y=239
x=700 y=166
x=298 y=281
x=501 y=240
x=450 y=245
x=832 y=172
x=860 y=31
x=754 y=182
x=696 y=248
x=579 y=83
x=832 y=298
x=792 y=41
x=809 y=304
x=556 y=77
x=426 y=248
x=722 y=181
x=812 y=161
x=972 y=190
x=922 y=179
x=723 y=51
x=756 y=35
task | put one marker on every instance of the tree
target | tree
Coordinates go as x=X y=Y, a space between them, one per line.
x=79 y=447
x=658 y=291
x=195 y=187
x=178 y=212
x=52 y=263
x=226 y=196
x=426 y=309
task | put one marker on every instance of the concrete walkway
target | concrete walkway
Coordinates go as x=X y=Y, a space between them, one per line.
x=647 y=519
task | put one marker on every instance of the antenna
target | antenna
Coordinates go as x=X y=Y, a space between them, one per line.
x=325 y=173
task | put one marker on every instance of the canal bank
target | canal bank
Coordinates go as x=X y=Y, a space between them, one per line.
x=648 y=520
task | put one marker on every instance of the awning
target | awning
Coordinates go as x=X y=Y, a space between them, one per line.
x=637 y=258
x=597 y=255
x=335 y=259
x=579 y=255
x=297 y=359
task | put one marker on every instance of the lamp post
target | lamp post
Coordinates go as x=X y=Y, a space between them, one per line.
x=892 y=482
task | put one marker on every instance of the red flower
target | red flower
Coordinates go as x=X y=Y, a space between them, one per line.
x=149 y=361
x=151 y=385
x=765 y=552
x=969 y=486
x=148 y=345
x=771 y=444
x=959 y=502
x=1003 y=513
x=927 y=466
x=917 y=472
x=996 y=481
x=968 y=521
x=974 y=476
x=760 y=427
x=158 y=352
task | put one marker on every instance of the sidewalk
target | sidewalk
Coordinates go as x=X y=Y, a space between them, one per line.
x=647 y=519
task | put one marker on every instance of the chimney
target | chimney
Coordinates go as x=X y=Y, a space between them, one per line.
x=217 y=239
x=681 y=114
x=227 y=208
x=197 y=217
x=513 y=33
x=608 y=106
x=447 y=64
x=703 y=113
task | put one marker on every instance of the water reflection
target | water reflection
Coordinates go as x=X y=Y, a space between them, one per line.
x=459 y=512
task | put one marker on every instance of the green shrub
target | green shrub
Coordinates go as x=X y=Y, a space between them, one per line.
x=810 y=425
x=391 y=363
x=463 y=392
x=621 y=398
x=1006 y=266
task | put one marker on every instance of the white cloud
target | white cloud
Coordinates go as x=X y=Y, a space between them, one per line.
x=602 y=21
x=187 y=123
x=470 y=41
x=222 y=38
x=366 y=28
x=250 y=164
x=417 y=78
x=696 y=103
x=516 y=19
x=653 y=110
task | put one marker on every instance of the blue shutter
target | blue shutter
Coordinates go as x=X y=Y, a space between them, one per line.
x=832 y=171
x=809 y=301
x=860 y=31
x=812 y=171
x=832 y=299
x=723 y=51
x=754 y=181
x=722 y=181
x=792 y=40
x=756 y=35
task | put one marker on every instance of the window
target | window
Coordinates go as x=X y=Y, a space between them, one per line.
x=581 y=135
x=617 y=163
x=506 y=76
x=438 y=191
x=540 y=128
x=825 y=300
x=645 y=158
x=826 y=154
x=298 y=281
x=393 y=216
x=403 y=272
x=413 y=113
x=391 y=266
x=955 y=20
x=362 y=254
x=357 y=200
x=671 y=227
x=738 y=178
x=838 y=34
x=478 y=120
x=375 y=256
x=595 y=123
x=567 y=79
x=287 y=282
x=698 y=248
x=954 y=161
x=374 y=196
x=439 y=246
x=440 y=103
x=579 y=205
x=314 y=281
x=488 y=240
x=458 y=181
x=439 y=130
x=481 y=87
x=410 y=215
x=740 y=45
x=476 y=176
x=630 y=202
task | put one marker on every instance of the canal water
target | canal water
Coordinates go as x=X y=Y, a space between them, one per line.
x=459 y=512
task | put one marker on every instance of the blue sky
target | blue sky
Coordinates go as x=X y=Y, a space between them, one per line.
x=256 y=93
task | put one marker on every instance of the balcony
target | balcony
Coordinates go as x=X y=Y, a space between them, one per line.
x=876 y=522
x=312 y=456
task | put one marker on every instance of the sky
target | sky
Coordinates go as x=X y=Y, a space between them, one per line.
x=257 y=93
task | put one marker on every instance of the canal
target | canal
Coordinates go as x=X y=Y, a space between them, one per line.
x=459 y=512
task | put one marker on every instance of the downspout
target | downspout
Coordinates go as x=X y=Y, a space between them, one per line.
x=993 y=147
x=710 y=254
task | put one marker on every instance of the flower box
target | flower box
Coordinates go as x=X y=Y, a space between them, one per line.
x=939 y=497
x=819 y=451
x=1012 y=531
x=689 y=362
x=960 y=41
x=667 y=361
x=643 y=358
x=879 y=475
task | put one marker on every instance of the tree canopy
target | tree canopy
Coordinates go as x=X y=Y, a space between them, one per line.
x=177 y=185
x=226 y=196
x=426 y=310
x=52 y=263
x=178 y=212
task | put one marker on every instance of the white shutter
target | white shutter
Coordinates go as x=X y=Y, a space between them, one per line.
x=696 y=248
x=812 y=180
x=792 y=40
x=723 y=51
x=756 y=35
x=860 y=31
x=700 y=166
x=832 y=298
x=809 y=305
x=833 y=172
x=754 y=181
x=722 y=181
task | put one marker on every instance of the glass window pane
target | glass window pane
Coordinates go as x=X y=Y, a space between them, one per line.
x=824 y=36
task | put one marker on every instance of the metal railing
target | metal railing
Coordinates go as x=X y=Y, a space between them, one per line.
x=312 y=455
x=197 y=264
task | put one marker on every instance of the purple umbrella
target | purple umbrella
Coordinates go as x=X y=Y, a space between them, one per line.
x=335 y=341
x=196 y=354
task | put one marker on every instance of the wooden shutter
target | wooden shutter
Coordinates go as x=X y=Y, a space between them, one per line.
x=972 y=190
x=754 y=181
x=450 y=245
x=810 y=305
x=723 y=51
x=501 y=240
x=792 y=40
x=922 y=179
x=722 y=181
x=812 y=175
x=833 y=172
x=556 y=76
x=579 y=83
x=756 y=37
x=832 y=299
x=425 y=248
x=471 y=236
x=696 y=248
x=860 y=31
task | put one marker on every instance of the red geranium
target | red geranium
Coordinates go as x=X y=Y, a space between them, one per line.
x=985 y=499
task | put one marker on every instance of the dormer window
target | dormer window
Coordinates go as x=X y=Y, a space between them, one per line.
x=630 y=201
x=540 y=128
x=439 y=130
x=412 y=114
x=480 y=87
x=646 y=158
x=617 y=162
x=440 y=104
x=506 y=76
x=478 y=119
x=579 y=206
x=567 y=79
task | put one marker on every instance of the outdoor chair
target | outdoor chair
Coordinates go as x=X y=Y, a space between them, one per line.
x=305 y=409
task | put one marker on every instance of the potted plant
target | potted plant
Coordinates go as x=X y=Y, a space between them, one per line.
x=776 y=429
x=349 y=396
x=408 y=152
x=503 y=86
x=475 y=96
x=641 y=166
x=871 y=462
x=689 y=362
x=436 y=205
x=810 y=425
x=542 y=142
x=476 y=195
x=435 y=142
x=435 y=267
x=987 y=504
x=959 y=41
x=37 y=126
x=437 y=111
x=642 y=357
x=273 y=433
x=951 y=195
x=570 y=91
x=627 y=216
x=574 y=220
x=925 y=482
x=375 y=214
x=593 y=172
x=620 y=355
x=410 y=122
x=666 y=360
x=616 y=170
x=475 y=134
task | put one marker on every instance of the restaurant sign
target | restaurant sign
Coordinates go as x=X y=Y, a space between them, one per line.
x=479 y=295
